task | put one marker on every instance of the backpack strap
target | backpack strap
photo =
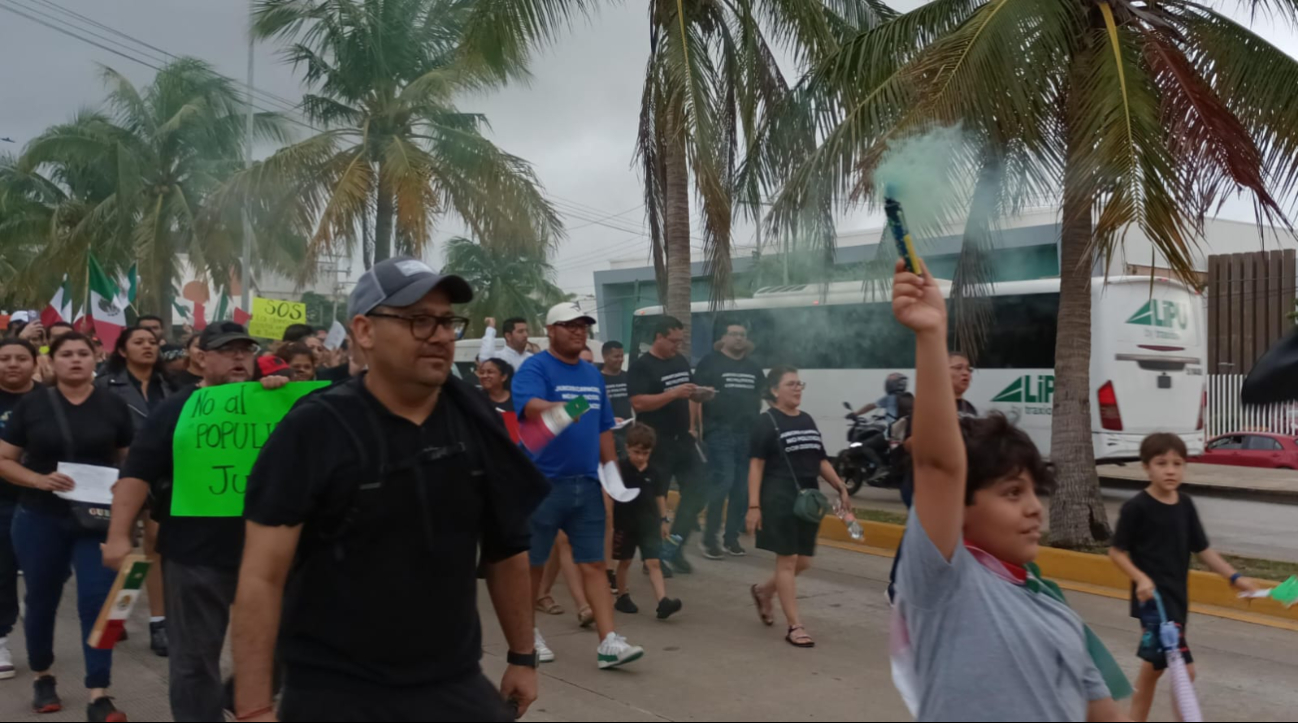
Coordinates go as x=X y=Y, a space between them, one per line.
x=65 y=430
x=779 y=442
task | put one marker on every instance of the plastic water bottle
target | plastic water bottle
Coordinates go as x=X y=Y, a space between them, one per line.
x=537 y=432
x=853 y=527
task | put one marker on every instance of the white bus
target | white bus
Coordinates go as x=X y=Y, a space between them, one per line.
x=1148 y=354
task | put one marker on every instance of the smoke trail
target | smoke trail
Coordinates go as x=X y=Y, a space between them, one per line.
x=929 y=175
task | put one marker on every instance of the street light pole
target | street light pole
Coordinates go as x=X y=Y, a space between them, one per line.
x=246 y=277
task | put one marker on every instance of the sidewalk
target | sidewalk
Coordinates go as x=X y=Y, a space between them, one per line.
x=1274 y=485
x=716 y=662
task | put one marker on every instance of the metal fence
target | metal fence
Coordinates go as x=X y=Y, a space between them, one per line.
x=1225 y=413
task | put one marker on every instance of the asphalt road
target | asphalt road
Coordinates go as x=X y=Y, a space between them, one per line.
x=716 y=662
x=1268 y=530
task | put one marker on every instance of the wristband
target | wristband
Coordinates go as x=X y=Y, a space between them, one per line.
x=256 y=713
x=754 y=507
x=1235 y=578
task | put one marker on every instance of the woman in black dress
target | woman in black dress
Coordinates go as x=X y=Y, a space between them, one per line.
x=787 y=455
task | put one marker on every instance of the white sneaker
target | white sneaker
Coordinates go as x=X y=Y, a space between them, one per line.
x=543 y=652
x=6 y=660
x=615 y=651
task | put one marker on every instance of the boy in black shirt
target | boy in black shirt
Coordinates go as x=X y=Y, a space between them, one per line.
x=1157 y=531
x=637 y=523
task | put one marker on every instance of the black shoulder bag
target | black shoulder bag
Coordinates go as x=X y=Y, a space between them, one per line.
x=811 y=505
x=92 y=517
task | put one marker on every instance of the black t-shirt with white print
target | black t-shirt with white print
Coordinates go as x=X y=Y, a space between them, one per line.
x=650 y=375
x=618 y=394
x=797 y=440
x=738 y=385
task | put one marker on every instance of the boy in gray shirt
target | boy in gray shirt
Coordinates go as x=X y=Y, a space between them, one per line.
x=987 y=640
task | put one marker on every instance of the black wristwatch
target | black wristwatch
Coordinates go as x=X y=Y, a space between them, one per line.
x=523 y=661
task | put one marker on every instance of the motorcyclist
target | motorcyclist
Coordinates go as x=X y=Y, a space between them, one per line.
x=894 y=386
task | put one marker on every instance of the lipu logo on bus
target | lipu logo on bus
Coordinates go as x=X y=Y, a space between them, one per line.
x=1162 y=314
x=1038 y=389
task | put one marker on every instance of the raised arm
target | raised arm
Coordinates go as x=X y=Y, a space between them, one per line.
x=267 y=556
x=937 y=449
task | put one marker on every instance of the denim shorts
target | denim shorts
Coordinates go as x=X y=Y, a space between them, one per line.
x=576 y=506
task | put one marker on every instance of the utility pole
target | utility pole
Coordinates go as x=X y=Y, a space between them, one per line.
x=246 y=278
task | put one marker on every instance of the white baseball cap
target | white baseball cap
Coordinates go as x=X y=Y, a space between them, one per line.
x=566 y=312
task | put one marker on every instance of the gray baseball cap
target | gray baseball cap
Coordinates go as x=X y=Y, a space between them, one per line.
x=402 y=281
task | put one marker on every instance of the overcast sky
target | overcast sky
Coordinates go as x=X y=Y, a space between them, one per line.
x=576 y=121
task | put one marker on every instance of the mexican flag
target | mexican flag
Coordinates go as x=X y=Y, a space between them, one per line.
x=227 y=310
x=109 y=315
x=127 y=286
x=60 y=307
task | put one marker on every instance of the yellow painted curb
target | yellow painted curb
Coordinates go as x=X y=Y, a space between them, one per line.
x=1083 y=572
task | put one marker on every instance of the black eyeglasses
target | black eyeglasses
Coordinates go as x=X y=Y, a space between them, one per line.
x=574 y=327
x=424 y=326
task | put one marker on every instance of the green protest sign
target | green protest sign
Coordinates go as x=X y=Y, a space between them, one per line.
x=221 y=431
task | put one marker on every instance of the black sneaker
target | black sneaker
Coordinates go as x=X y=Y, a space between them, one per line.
x=668 y=607
x=612 y=581
x=158 y=638
x=103 y=711
x=46 y=696
x=712 y=550
x=734 y=549
x=624 y=604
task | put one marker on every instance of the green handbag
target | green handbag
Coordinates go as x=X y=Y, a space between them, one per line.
x=811 y=505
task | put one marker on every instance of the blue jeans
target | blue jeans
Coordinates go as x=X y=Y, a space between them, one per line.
x=50 y=546
x=728 y=479
x=8 y=569
x=576 y=506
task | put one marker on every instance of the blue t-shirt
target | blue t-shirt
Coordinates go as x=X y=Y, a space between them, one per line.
x=575 y=452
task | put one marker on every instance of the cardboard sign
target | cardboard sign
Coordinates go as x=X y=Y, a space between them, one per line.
x=220 y=433
x=270 y=317
x=121 y=600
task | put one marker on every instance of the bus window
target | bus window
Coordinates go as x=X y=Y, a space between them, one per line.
x=1022 y=333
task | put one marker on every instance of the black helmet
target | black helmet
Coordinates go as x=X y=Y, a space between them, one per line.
x=896 y=383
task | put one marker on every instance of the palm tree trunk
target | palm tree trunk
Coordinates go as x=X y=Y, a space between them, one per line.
x=383 y=219
x=1077 y=515
x=676 y=212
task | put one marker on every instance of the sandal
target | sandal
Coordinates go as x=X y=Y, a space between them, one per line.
x=801 y=640
x=548 y=606
x=763 y=607
x=586 y=617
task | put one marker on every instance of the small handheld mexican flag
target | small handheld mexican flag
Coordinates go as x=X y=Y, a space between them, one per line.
x=121 y=600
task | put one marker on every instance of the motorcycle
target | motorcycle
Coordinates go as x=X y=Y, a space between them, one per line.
x=867 y=460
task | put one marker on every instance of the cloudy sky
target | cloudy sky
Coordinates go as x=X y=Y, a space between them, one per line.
x=576 y=120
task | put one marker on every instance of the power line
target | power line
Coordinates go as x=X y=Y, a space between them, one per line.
x=267 y=96
x=595 y=220
x=606 y=218
x=9 y=6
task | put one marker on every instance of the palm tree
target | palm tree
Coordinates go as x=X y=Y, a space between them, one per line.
x=129 y=183
x=505 y=283
x=711 y=76
x=1144 y=114
x=394 y=147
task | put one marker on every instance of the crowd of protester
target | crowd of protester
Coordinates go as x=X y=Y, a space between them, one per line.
x=338 y=507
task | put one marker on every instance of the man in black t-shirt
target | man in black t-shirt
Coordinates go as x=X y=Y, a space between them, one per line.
x=615 y=381
x=17 y=367
x=661 y=387
x=369 y=513
x=727 y=426
x=200 y=554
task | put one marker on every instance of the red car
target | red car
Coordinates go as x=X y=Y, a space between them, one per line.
x=1252 y=449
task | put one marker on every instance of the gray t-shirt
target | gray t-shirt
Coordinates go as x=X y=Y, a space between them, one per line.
x=986 y=649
